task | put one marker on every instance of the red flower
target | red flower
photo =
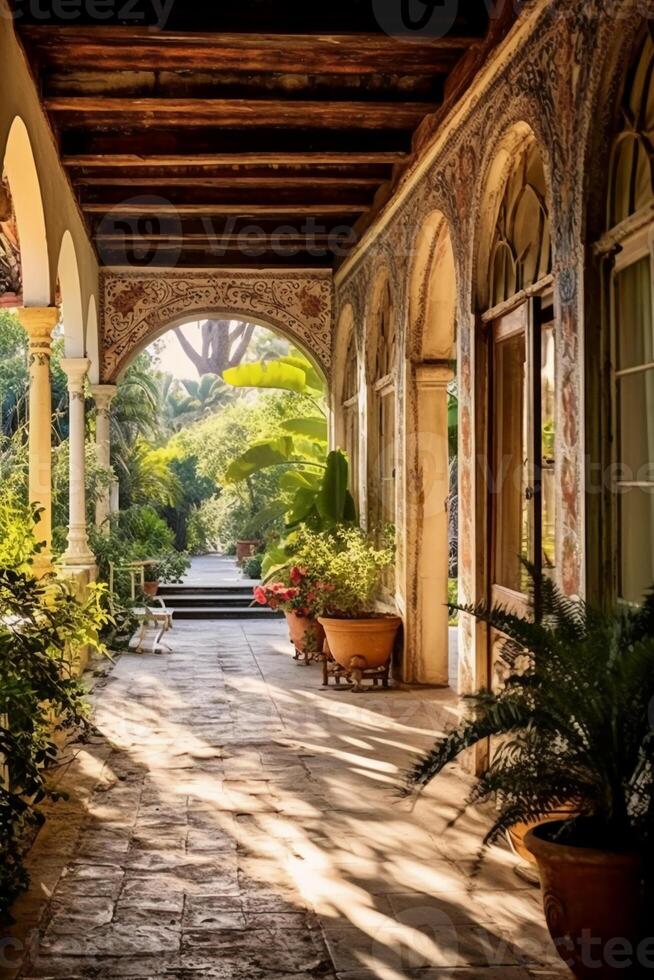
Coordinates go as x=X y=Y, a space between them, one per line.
x=296 y=575
x=260 y=596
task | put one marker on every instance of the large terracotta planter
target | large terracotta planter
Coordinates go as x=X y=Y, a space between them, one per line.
x=592 y=904
x=306 y=633
x=518 y=832
x=246 y=549
x=151 y=588
x=364 y=644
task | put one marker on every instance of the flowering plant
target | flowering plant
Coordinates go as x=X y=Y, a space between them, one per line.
x=296 y=591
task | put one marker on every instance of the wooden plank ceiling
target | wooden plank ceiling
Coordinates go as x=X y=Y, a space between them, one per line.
x=263 y=134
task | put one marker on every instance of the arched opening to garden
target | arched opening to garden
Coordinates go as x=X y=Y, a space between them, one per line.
x=217 y=423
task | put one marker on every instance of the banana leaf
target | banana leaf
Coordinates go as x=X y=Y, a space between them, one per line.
x=273 y=452
x=275 y=374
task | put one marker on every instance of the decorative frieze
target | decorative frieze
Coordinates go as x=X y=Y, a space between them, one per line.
x=137 y=307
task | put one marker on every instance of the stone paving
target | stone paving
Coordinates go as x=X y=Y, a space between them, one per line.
x=232 y=820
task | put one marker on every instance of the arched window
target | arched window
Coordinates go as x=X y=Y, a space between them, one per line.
x=383 y=415
x=521 y=253
x=521 y=357
x=631 y=227
x=350 y=408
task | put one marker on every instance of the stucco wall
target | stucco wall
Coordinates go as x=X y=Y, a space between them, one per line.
x=557 y=72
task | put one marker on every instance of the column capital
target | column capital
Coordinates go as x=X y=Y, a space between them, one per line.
x=103 y=395
x=434 y=374
x=75 y=369
x=38 y=322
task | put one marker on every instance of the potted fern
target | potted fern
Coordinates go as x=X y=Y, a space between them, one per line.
x=572 y=718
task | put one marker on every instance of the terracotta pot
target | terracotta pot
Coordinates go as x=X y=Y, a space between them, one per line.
x=151 y=588
x=369 y=640
x=306 y=633
x=519 y=831
x=592 y=904
x=246 y=549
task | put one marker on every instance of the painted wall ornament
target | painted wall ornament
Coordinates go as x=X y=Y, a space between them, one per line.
x=139 y=307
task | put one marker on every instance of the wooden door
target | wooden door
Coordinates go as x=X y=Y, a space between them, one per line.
x=522 y=490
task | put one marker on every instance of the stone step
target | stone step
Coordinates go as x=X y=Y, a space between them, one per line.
x=206 y=590
x=221 y=612
x=183 y=601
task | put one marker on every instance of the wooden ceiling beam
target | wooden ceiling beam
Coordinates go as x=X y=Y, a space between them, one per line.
x=124 y=48
x=207 y=160
x=217 y=84
x=270 y=141
x=238 y=113
x=136 y=210
x=262 y=181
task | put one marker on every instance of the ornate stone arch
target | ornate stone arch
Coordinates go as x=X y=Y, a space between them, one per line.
x=71 y=298
x=433 y=292
x=136 y=308
x=19 y=167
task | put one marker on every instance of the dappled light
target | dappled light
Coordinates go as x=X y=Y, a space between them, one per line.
x=237 y=807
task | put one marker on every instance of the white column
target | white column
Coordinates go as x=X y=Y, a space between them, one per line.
x=39 y=322
x=103 y=395
x=78 y=553
x=428 y=488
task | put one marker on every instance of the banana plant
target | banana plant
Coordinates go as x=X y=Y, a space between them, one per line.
x=316 y=479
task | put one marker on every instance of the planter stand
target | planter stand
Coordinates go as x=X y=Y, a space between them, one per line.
x=304 y=658
x=355 y=674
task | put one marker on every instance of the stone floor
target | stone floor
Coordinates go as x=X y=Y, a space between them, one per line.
x=232 y=820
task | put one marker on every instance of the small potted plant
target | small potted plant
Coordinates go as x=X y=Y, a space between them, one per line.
x=151 y=578
x=349 y=564
x=295 y=591
x=170 y=567
x=246 y=548
x=573 y=718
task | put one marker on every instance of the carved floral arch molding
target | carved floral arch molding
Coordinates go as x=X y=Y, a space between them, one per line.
x=137 y=307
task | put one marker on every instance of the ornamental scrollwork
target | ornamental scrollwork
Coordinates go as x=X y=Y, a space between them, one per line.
x=139 y=306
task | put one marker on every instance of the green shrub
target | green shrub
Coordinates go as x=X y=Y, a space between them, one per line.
x=251 y=567
x=137 y=534
x=347 y=565
x=42 y=625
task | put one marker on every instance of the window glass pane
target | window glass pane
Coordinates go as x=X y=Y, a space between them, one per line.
x=636 y=425
x=511 y=522
x=636 y=542
x=635 y=334
x=548 y=438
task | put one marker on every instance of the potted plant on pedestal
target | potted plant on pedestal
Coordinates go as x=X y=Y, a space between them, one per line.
x=295 y=591
x=347 y=566
x=574 y=716
x=168 y=568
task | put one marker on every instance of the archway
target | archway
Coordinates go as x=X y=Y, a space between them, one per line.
x=430 y=346
x=138 y=307
x=382 y=366
x=225 y=316
x=21 y=175
x=620 y=415
x=347 y=388
x=93 y=341
x=518 y=414
x=71 y=298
